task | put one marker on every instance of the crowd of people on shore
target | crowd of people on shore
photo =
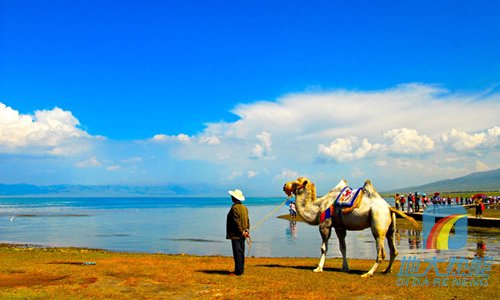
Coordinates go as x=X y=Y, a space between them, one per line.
x=415 y=202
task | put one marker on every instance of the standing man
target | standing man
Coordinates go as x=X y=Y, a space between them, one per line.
x=410 y=202
x=396 y=201
x=479 y=207
x=237 y=229
x=417 y=202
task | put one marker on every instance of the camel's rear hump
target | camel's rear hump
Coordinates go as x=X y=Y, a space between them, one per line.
x=369 y=190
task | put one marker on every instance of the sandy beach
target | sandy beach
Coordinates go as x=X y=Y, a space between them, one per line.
x=72 y=273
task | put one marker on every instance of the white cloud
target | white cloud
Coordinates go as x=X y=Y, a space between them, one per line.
x=52 y=131
x=160 y=137
x=234 y=175
x=113 y=168
x=68 y=149
x=263 y=146
x=493 y=137
x=91 y=162
x=404 y=140
x=494 y=132
x=341 y=149
x=209 y=140
x=251 y=173
x=366 y=148
x=287 y=174
x=186 y=139
x=460 y=140
x=182 y=138
x=348 y=149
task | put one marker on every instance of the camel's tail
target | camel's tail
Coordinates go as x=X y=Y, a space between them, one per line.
x=402 y=214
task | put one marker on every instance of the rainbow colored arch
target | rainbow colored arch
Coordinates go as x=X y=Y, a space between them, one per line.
x=440 y=232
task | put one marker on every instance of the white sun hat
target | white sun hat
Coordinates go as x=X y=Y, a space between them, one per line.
x=237 y=194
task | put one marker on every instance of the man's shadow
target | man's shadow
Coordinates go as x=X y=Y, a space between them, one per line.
x=216 y=272
x=308 y=268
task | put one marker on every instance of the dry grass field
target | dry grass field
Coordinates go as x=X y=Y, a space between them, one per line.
x=59 y=273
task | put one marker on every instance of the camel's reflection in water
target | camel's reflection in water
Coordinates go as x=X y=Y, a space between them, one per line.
x=413 y=237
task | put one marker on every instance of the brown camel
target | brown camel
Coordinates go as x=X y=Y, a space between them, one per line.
x=371 y=211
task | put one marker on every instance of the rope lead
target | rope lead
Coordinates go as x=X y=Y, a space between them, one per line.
x=270 y=214
x=249 y=239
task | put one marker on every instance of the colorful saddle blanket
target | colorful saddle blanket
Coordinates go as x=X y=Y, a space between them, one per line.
x=346 y=202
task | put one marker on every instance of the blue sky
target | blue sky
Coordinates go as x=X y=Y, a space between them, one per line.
x=248 y=93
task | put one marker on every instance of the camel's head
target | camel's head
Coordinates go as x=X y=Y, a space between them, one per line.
x=295 y=187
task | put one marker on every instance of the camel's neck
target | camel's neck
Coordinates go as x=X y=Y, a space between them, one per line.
x=309 y=208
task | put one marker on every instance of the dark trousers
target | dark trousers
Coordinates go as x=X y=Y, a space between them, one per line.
x=239 y=255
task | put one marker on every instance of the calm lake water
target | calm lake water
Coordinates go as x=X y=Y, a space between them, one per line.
x=188 y=225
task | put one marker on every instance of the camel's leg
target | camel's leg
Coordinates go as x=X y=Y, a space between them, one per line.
x=325 y=231
x=379 y=234
x=392 y=245
x=341 y=233
x=380 y=256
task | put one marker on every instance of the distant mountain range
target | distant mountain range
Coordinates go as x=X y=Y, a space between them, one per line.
x=480 y=181
x=107 y=190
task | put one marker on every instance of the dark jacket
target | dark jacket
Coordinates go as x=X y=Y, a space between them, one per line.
x=237 y=221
